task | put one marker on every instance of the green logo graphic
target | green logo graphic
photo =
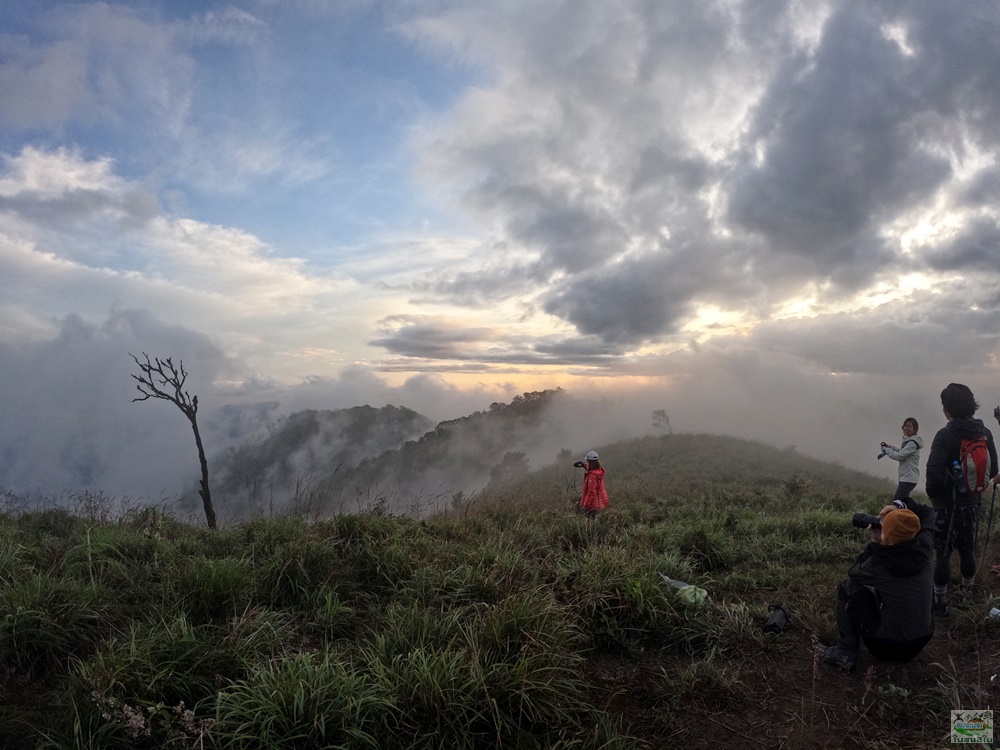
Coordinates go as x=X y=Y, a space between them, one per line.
x=973 y=727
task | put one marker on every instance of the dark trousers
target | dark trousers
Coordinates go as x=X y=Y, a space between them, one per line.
x=957 y=526
x=903 y=490
x=858 y=618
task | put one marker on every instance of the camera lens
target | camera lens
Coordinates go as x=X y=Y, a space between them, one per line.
x=864 y=520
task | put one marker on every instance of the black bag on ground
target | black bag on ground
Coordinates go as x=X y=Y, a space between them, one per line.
x=778 y=621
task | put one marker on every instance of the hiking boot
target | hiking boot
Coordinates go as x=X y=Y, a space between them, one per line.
x=840 y=658
x=966 y=590
x=940 y=610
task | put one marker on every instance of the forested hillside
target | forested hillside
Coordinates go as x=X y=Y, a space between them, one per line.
x=304 y=448
x=320 y=463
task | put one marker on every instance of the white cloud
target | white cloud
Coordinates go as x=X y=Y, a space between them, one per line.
x=71 y=227
x=780 y=214
x=34 y=173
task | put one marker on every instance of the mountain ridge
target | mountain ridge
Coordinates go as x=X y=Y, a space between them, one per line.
x=323 y=463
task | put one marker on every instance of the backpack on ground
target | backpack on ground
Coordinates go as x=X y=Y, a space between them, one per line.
x=974 y=460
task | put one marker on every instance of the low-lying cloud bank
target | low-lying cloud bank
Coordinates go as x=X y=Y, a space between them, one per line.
x=71 y=425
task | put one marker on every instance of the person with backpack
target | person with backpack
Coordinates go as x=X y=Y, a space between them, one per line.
x=962 y=462
x=595 y=495
x=908 y=456
x=989 y=521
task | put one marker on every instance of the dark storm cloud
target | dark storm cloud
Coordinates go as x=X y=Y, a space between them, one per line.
x=675 y=174
x=856 y=134
x=582 y=349
x=957 y=58
x=611 y=152
x=975 y=248
x=413 y=336
x=479 y=348
x=592 y=161
x=572 y=237
x=573 y=230
x=982 y=190
x=844 y=138
x=628 y=303
x=949 y=331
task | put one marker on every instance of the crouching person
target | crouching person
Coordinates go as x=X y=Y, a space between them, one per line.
x=886 y=599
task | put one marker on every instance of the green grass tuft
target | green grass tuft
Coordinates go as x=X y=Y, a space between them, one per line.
x=509 y=621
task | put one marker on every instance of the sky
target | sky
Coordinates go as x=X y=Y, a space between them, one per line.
x=771 y=219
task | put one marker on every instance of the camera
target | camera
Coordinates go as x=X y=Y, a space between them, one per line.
x=864 y=520
x=580 y=465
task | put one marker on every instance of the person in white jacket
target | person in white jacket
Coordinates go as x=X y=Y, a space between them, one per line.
x=908 y=455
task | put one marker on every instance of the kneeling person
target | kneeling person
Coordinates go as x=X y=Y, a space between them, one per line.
x=886 y=599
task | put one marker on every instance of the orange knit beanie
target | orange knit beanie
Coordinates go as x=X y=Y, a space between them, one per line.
x=899 y=526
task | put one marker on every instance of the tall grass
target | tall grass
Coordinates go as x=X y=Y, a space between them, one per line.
x=510 y=622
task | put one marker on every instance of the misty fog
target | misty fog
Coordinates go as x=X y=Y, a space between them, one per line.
x=71 y=425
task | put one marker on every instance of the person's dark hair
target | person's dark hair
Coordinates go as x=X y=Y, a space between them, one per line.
x=911 y=420
x=958 y=401
x=593 y=463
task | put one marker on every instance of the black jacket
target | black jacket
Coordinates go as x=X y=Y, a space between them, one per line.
x=903 y=580
x=945 y=449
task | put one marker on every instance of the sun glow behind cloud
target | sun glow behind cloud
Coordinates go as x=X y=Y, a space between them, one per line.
x=721 y=203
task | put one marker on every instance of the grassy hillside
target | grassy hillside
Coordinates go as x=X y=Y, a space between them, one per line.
x=510 y=622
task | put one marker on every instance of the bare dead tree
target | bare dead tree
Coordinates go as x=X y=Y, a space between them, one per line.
x=159 y=378
x=661 y=421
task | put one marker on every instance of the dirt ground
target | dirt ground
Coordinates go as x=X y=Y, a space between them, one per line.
x=790 y=699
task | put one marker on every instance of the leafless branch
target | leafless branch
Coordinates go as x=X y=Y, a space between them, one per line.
x=161 y=379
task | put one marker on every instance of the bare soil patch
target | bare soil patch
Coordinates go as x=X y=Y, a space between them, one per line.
x=789 y=699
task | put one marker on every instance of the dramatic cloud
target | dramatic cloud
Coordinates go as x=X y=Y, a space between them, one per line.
x=809 y=141
x=772 y=219
x=975 y=248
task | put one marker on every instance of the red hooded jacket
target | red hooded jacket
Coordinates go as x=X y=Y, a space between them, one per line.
x=595 y=496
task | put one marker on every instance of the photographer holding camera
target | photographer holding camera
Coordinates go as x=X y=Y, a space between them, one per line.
x=886 y=599
x=595 y=495
x=908 y=456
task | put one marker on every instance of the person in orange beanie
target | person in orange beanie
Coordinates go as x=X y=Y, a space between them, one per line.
x=899 y=527
x=886 y=599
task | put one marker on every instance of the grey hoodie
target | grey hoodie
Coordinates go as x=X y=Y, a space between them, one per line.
x=908 y=455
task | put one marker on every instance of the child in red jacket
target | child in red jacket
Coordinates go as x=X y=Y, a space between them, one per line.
x=595 y=496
